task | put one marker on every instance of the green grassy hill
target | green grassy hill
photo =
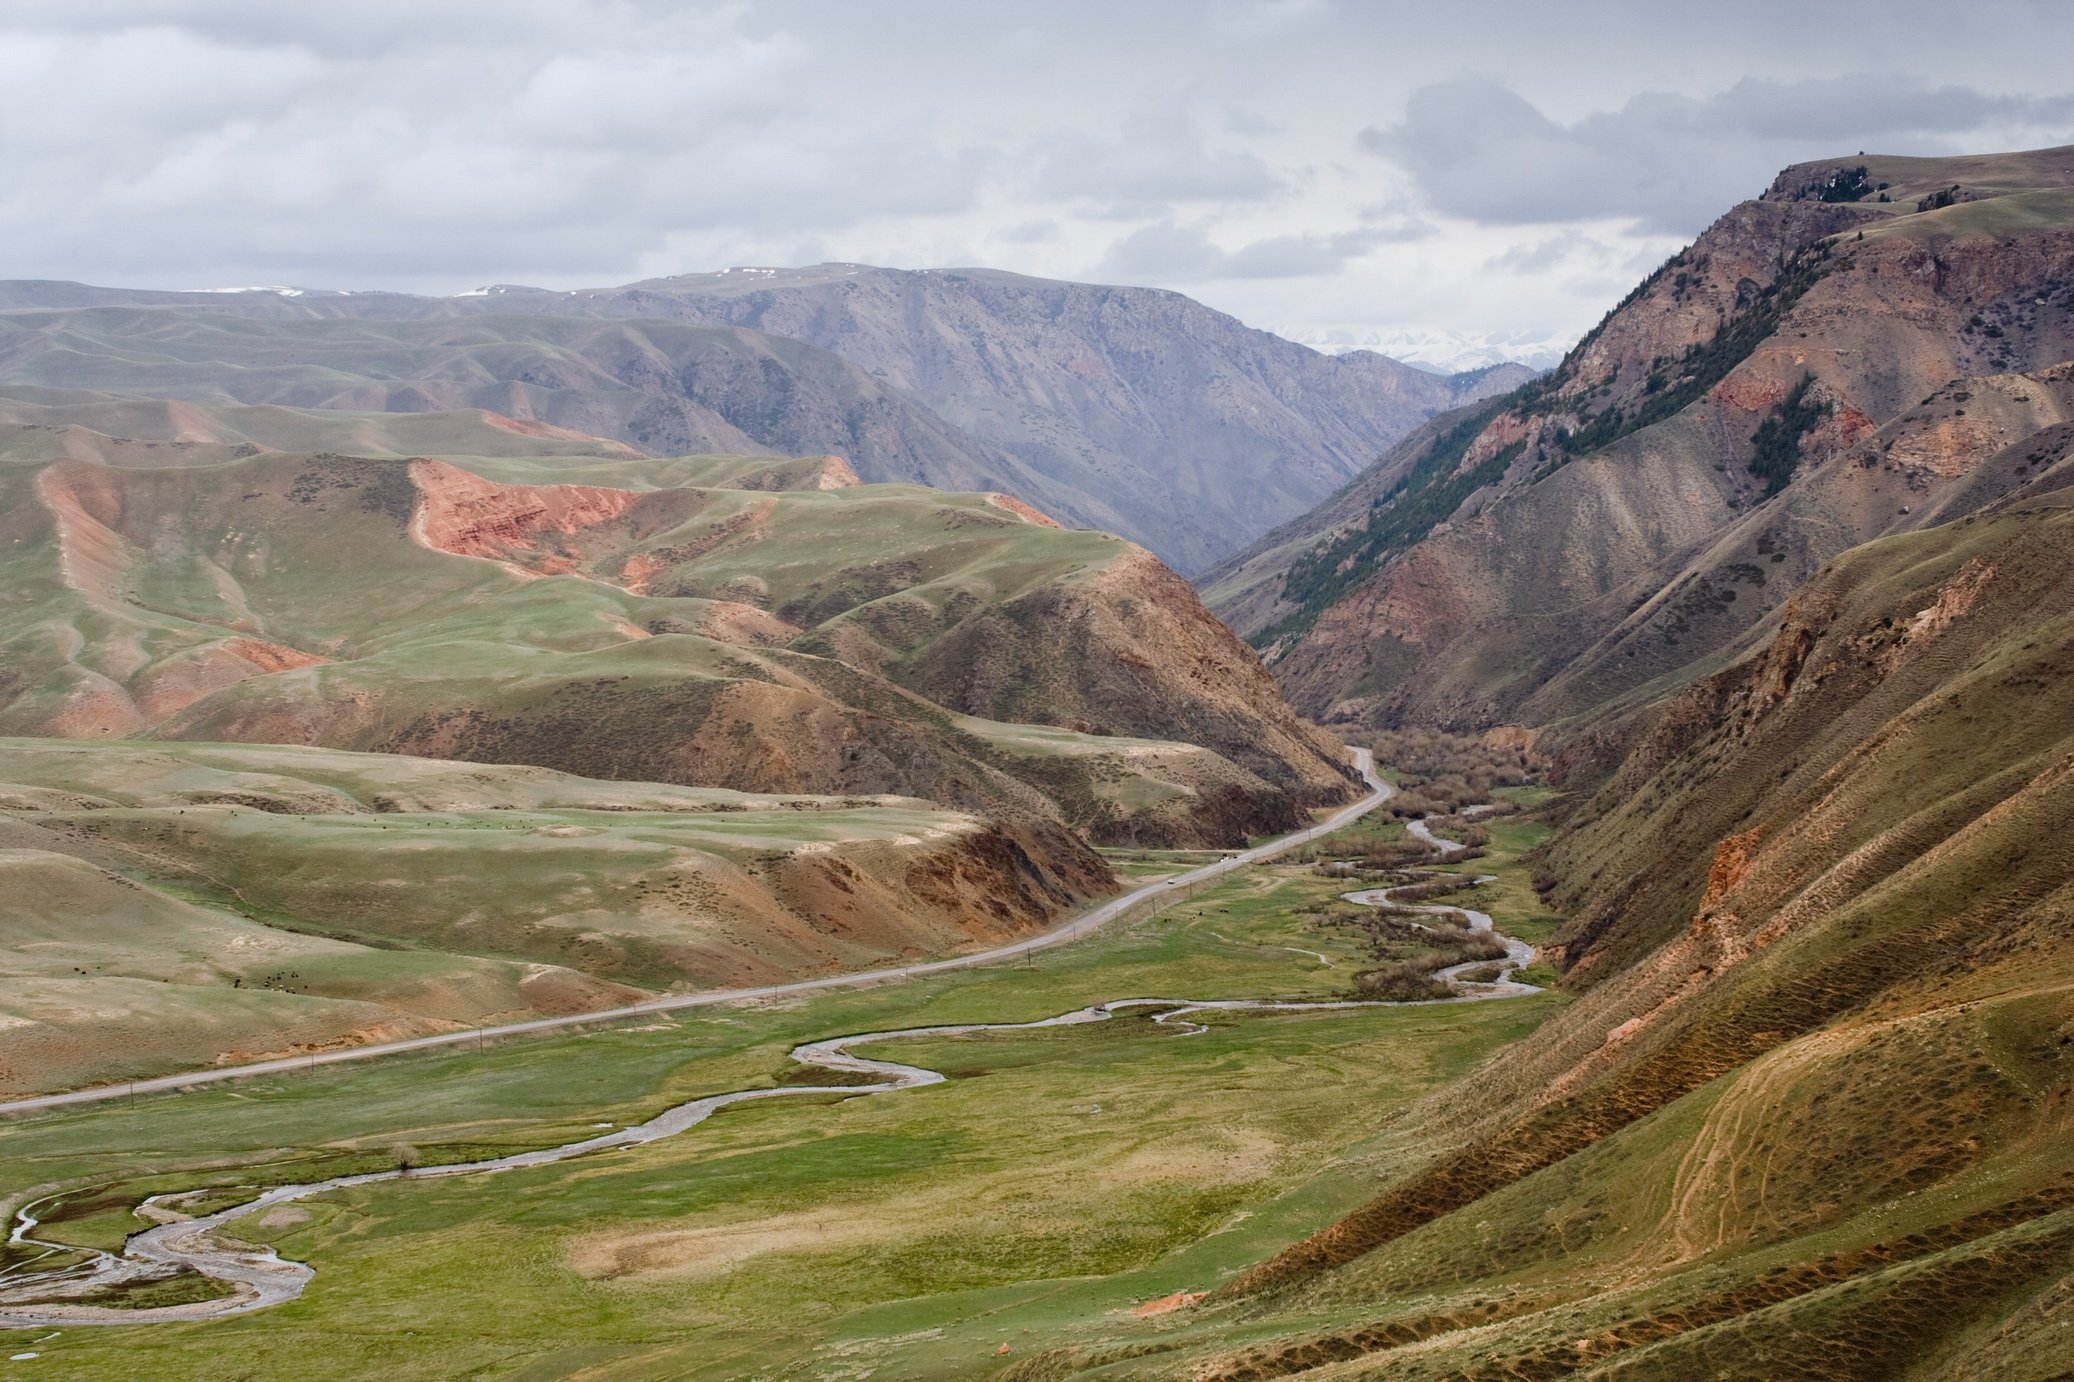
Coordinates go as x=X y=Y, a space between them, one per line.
x=695 y=628
x=1133 y=410
x=711 y=621
x=170 y=905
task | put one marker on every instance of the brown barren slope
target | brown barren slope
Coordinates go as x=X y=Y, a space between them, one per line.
x=1628 y=534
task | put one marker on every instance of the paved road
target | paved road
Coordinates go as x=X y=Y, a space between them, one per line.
x=1084 y=924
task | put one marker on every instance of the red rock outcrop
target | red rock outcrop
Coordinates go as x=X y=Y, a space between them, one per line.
x=468 y=516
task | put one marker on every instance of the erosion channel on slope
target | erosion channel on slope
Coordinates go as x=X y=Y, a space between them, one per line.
x=257 y=1277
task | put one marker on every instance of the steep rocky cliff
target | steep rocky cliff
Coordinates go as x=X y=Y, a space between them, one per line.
x=1779 y=560
x=1808 y=375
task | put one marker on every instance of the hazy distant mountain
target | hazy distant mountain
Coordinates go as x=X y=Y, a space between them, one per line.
x=1190 y=425
x=665 y=387
x=1444 y=352
x=1131 y=409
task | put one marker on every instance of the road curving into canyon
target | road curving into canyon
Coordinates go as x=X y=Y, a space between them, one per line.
x=1083 y=925
x=255 y=1277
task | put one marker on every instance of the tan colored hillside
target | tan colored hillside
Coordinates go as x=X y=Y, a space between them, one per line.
x=1800 y=636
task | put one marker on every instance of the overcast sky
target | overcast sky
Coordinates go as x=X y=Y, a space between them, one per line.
x=1371 y=173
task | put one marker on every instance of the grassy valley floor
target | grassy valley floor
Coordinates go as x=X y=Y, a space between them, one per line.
x=1060 y=1179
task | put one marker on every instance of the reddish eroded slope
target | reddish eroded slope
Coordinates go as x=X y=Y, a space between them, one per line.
x=515 y=525
x=533 y=427
x=751 y=629
x=121 y=683
x=836 y=473
x=1162 y=666
x=1028 y=513
x=1147 y=659
x=85 y=500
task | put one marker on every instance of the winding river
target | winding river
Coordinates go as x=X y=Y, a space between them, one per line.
x=258 y=1277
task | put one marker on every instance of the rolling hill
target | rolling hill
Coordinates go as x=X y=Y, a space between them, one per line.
x=167 y=906
x=644 y=724
x=1808 y=1117
x=713 y=621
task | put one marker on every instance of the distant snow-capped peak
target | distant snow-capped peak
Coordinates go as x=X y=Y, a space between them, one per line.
x=1445 y=352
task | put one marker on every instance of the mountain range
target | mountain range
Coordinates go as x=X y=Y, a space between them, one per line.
x=1132 y=410
x=417 y=660
x=1810 y=374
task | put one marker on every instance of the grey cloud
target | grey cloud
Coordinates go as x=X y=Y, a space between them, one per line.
x=1393 y=225
x=371 y=28
x=1165 y=252
x=1245 y=120
x=1247 y=21
x=1160 y=253
x=1480 y=151
x=1037 y=232
x=1542 y=255
x=251 y=152
x=1156 y=158
x=435 y=146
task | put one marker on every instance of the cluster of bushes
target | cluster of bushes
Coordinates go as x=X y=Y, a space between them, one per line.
x=1438 y=885
x=1409 y=946
x=1366 y=857
x=1412 y=978
x=1404 y=981
x=1440 y=773
x=1847 y=185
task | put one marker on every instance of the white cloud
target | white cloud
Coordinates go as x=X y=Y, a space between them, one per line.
x=1154 y=159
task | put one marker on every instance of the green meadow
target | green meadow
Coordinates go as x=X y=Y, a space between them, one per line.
x=1059 y=1179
